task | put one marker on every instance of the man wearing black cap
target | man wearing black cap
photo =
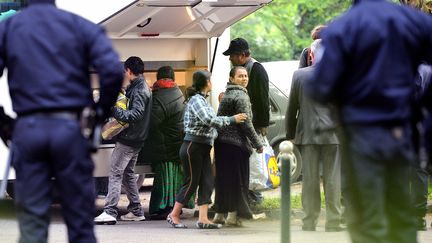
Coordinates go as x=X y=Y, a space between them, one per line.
x=258 y=88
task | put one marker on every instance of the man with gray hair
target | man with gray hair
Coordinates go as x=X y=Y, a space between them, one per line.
x=368 y=70
x=311 y=127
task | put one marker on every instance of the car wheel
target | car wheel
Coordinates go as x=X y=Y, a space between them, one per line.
x=296 y=164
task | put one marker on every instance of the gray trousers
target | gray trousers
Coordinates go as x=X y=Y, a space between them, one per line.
x=123 y=161
x=312 y=155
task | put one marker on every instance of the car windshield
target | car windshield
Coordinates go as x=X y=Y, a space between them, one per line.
x=280 y=73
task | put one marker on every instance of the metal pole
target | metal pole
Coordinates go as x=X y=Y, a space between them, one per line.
x=214 y=54
x=286 y=156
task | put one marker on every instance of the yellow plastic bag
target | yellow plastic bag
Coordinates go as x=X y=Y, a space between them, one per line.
x=114 y=127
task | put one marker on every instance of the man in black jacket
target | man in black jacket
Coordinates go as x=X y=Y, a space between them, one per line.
x=258 y=87
x=128 y=146
x=258 y=90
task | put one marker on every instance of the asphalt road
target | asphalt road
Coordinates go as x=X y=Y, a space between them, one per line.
x=267 y=230
x=159 y=231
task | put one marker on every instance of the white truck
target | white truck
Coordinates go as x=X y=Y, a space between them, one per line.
x=179 y=33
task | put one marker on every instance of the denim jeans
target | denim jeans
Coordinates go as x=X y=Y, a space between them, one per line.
x=123 y=161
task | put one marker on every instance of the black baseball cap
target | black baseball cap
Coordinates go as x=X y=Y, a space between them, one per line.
x=237 y=46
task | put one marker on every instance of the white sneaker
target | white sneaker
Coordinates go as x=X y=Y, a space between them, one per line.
x=132 y=217
x=105 y=218
x=259 y=216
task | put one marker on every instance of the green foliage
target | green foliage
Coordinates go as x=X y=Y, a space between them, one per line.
x=430 y=192
x=275 y=203
x=271 y=203
x=296 y=202
x=280 y=30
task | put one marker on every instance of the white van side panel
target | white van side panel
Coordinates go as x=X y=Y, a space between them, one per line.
x=5 y=101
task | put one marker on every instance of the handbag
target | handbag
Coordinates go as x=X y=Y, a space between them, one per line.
x=114 y=127
x=264 y=171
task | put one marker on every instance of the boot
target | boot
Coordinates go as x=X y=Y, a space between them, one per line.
x=232 y=219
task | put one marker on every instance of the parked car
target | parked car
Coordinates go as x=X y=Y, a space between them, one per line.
x=280 y=76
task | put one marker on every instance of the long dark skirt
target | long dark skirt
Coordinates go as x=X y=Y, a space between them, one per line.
x=232 y=180
x=168 y=179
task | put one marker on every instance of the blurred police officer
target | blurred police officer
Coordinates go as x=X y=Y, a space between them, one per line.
x=48 y=53
x=367 y=68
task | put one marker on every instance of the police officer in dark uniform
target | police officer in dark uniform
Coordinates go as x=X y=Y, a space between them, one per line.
x=48 y=53
x=367 y=68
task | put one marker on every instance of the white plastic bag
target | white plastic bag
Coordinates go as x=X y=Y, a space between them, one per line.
x=264 y=171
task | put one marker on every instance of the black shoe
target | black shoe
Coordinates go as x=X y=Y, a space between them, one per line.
x=335 y=228
x=308 y=228
x=160 y=215
x=171 y=222
x=200 y=225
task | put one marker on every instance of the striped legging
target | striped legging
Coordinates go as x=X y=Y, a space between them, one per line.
x=195 y=158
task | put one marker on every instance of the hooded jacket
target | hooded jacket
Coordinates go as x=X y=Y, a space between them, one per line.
x=166 y=127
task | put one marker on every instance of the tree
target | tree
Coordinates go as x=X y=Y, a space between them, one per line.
x=424 y=5
x=281 y=30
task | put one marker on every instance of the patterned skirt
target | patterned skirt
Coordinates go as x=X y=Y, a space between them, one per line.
x=168 y=179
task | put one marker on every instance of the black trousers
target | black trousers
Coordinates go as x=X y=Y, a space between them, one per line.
x=232 y=180
x=375 y=183
x=195 y=158
x=44 y=148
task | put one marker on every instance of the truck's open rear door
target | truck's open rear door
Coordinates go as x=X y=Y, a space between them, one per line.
x=178 y=18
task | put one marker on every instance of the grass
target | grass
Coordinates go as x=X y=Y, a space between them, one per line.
x=430 y=192
x=271 y=203
x=275 y=203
